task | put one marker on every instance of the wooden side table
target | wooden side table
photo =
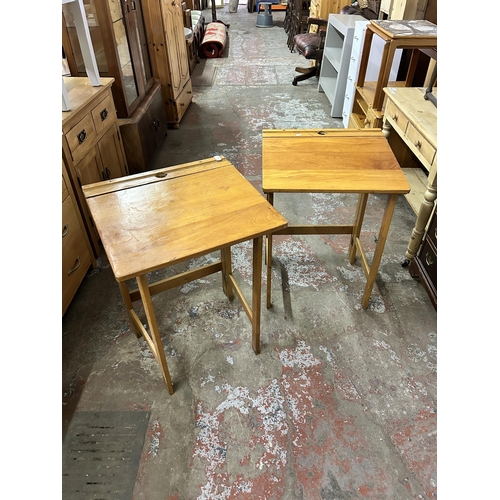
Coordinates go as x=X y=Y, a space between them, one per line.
x=414 y=34
x=153 y=220
x=333 y=161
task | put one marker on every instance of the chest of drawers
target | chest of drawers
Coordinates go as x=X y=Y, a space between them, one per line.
x=76 y=251
x=92 y=147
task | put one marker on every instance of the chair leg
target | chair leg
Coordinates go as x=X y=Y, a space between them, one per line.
x=306 y=73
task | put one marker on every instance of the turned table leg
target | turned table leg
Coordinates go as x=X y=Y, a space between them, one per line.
x=423 y=216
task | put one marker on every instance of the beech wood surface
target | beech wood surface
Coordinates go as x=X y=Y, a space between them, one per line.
x=330 y=160
x=147 y=223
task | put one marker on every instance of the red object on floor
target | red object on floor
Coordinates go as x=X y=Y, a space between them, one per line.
x=214 y=41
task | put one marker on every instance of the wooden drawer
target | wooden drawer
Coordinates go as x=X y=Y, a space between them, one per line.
x=75 y=263
x=391 y=111
x=71 y=229
x=428 y=260
x=432 y=231
x=356 y=121
x=373 y=119
x=184 y=99
x=422 y=145
x=104 y=114
x=65 y=192
x=81 y=138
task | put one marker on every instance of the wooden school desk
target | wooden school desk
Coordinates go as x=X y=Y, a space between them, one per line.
x=333 y=161
x=156 y=219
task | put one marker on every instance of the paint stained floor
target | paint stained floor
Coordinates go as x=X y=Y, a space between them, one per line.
x=341 y=403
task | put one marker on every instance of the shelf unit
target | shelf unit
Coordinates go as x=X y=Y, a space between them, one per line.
x=335 y=62
x=371 y=71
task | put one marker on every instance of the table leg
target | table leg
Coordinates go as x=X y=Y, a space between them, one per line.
x=423 y=216
x=379 y=249
x=227 y=270
x=358 y=222
x=383 y=78
x=128 y=304
x=153 y=328
x=269 y=257
x=256 y=293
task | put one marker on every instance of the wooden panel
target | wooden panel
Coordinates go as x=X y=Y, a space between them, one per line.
x=75 y=263
x=144 y=131
x=109 y=149
x=183 y=100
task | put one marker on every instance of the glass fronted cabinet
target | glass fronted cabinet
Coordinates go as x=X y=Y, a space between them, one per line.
x=120 y=44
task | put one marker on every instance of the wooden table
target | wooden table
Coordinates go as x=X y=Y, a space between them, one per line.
x=412 y=34
x=333 y=161
x=156 y=219
x=414 y=119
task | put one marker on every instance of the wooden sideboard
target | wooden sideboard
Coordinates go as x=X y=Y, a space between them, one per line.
x=92 y=148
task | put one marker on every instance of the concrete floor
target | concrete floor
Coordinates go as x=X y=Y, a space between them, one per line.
x=341 y=402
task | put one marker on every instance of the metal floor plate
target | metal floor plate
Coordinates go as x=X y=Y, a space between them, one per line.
x=101 y=454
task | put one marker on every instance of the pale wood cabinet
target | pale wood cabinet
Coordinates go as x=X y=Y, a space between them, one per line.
x=92 y=148
x=321 y=8
x=76 y=251
x=167 y=45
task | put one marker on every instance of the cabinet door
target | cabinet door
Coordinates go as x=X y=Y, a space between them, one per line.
x=111 y=155
x=173 y=24
x=89 y=169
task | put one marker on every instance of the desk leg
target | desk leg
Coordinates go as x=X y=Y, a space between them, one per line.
x=358 y=222
x=128 y=304
x=256 y=293
x=423 y=216
x=269 y=257
x=153 y=328
x=227 y=270
x=379 y=249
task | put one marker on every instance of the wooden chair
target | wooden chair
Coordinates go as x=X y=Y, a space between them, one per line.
x=298 y=20
x=311 y=45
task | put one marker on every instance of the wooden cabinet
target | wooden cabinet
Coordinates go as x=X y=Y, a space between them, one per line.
x=120 y=44
x=321 y=8
x=91 y=143
x=364 y=117
x=143 y=132
x=167 y=43
x=119 y=38
x=76 y=251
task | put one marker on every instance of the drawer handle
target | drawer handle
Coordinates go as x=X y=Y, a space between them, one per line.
x=418 y=144
x=106 y=174
x=428 y=259
x=65 y=230
x=395 y=117
x=161 y=175
x=104 y=114
x=70 y=272
x=82 y=136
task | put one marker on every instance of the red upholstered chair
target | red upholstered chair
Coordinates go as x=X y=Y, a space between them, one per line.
x=310 y=45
